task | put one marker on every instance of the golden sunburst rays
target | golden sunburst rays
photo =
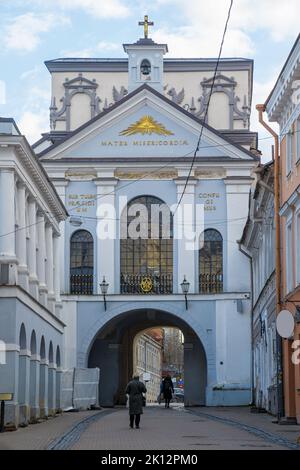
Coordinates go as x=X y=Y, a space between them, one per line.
x=146 y=126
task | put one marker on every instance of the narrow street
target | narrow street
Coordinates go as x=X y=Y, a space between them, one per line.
x=173 y=429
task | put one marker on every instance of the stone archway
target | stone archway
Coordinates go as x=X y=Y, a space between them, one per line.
x=112 y=351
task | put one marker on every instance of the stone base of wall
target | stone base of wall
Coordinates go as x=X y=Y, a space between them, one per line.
x=228 y=396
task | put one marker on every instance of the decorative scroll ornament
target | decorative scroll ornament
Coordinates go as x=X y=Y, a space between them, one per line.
x=78 y=84
x=146 y=125
x=146 y=284
x=225 y=85
x=176 y=97
x=118 y=95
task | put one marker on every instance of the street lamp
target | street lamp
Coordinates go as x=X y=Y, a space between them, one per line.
x=185 y=285
x=104 y=288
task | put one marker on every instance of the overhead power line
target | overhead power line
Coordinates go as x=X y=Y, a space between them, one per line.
x=207 y=106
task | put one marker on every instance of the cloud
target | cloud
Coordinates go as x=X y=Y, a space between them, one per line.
x=31 y=74
x=23 y=32
x=33 y=116
x=2 y=92
x=108 y=46
x=31 y=124
x=202 y=24
x=98 y=8
x=100 y=48
x=188 y=41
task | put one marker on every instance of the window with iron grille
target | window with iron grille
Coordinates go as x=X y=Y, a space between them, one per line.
x=150 y=256
x=81 y=263
x=211 y=262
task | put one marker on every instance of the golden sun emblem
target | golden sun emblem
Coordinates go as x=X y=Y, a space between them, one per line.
x=146 y=284
x=146 y=125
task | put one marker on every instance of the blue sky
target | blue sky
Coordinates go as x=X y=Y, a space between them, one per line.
x=33 y=31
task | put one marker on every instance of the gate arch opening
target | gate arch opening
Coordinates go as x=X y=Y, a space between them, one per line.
x=112 y=351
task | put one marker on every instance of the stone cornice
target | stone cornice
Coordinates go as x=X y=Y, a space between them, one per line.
x=157 y=298
x=134 y=100
x=29 y=161
x=282 y=89
x=16 y=292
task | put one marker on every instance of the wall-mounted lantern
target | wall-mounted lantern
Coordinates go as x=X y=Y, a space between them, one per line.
x=185 y=285
x=104 y=288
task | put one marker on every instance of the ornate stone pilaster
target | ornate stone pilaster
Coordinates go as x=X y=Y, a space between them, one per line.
x=60 y=187
x=59 y=372
x=21 y=236
x=34 y=387
x=41 y=258
x=24 y=386
x=32 y=248
x=56 y=256
x=106 y=242
x=52 y=389
x=43 y=401
x=7 y=226
x=49 y=266
x=183 y=229
x=237 y=268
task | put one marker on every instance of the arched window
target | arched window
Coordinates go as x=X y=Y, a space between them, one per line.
x=146 y=247
x=145 y=70
x=81 y=263
x=211 y=262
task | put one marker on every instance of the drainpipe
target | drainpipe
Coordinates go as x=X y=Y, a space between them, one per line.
x=252 y=316
x=261 y=109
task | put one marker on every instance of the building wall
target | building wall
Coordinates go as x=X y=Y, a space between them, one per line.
x=259 y=241
x=147 y=357
x=187 y=87
x=283 y=107
x=290 y=232
x=31 y=330
x=104 y=165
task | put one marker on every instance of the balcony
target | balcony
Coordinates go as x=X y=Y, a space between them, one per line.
x=146 y=284
x=210 y=283
x=81 y=284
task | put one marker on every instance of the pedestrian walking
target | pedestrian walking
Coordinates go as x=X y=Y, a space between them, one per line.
x=168 y=390
x=135 y=390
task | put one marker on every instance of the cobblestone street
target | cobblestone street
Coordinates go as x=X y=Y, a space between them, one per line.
x=161 y=429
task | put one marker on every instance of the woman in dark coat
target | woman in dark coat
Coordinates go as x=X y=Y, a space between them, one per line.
x=135 y=390
x=168 y=390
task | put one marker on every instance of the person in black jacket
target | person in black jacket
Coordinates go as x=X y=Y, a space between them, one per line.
x=168 y=390
x=135 y=390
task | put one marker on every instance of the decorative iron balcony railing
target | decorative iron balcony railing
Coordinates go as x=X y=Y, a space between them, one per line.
x=81 y=284
x=210 y=283
x=146 y=284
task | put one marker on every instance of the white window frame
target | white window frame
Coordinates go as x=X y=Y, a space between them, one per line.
x=289 y=151
x=289 y=256
x=298 y=140
x=297 y=248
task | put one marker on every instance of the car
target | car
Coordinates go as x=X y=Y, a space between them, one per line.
x=178 y=395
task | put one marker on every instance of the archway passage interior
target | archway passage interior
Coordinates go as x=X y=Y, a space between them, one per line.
x=112 y=352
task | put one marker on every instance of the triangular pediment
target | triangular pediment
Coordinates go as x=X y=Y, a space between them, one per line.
x=144 y=125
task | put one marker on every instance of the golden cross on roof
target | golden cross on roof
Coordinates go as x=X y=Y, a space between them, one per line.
x=146 y=23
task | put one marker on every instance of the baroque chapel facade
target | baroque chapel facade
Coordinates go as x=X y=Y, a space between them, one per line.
x=123 y=132
x=122 y=138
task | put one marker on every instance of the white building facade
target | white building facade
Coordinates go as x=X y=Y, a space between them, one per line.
x=31 y=328
x=148 y=360
x=259 y=242
x=124 y=133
